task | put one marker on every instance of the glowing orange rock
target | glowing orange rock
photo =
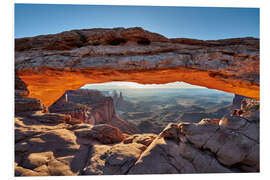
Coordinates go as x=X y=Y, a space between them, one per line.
x=52 y=64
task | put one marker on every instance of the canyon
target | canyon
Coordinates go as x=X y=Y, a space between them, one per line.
x=151 y=109
x=48 y=142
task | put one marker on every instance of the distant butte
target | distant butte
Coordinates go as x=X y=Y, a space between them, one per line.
x=52 y=64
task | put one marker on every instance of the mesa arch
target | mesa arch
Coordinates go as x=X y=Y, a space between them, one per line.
x=52 y=64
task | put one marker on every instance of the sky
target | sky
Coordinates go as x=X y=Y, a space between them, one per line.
x=128 y=85
x=189 y=22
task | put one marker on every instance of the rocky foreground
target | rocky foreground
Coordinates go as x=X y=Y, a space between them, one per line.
x=57 y=144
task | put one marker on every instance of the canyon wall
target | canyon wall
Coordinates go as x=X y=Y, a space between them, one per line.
x=87 y=105
x=91 y=107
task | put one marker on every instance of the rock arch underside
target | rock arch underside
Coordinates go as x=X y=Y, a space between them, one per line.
x=52 y=64
x=47 y=66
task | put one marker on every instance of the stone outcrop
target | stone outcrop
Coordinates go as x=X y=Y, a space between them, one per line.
x=52 y=64
x=91 y=107
x=117 y=159
x=46 y=147
x=237 y=100
x=24 y=103
x=104 y=133
x=228 y=145
x=52 y=144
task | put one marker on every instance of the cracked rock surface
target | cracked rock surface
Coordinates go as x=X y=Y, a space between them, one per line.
x=57 y=148
x=205 y=147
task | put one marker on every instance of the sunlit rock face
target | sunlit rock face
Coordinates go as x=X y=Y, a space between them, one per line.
x=22 y=102
x=49 y=144
x=91 y=107
x=52 y=64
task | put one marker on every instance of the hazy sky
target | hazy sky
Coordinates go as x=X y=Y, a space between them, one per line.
x=190 y=22
x=127 y=85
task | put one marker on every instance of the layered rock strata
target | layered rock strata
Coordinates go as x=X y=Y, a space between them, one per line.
x=87 y=105
x=52 y=64
x=24 y=103
x=91 y=107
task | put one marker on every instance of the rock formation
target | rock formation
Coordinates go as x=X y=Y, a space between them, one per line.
x=45 y=144
x=91 y=107
x=55 y=144
x=87 y=105
x=52 y=64
x=22 y=102
x=227 y=145
x=237 y=100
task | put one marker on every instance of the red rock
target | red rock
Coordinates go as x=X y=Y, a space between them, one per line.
x=69 y=60
x=209 y=121
x=46 y=66
x=104 y=133
x=91 y=107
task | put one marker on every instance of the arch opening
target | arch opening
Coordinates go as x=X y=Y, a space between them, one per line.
x=146 y=108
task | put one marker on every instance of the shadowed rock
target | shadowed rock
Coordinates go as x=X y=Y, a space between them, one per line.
x=232 y=145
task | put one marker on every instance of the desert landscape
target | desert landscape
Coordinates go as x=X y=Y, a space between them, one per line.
x=151 y=109
x=63 y=128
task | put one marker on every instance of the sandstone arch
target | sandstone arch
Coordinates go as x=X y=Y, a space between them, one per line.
x=52 y=64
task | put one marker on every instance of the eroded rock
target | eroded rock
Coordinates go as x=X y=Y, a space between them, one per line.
x=68 y=60
x=104 y=133
x=91 y=107
x=202 y=147
x=50 y=144
x=114 y=160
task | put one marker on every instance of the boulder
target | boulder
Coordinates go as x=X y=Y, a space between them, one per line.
x=104 y=133
x=114 y=160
